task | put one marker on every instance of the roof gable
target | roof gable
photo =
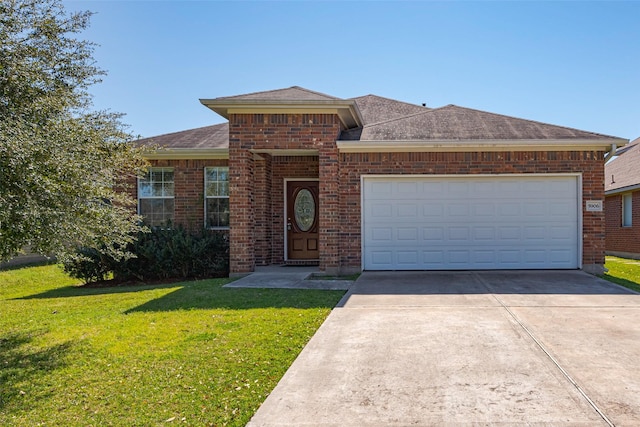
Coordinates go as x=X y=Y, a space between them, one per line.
x=293 y=93
x=623 y=172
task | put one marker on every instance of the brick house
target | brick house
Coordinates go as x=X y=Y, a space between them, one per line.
x=622 y=202
x=300 y=177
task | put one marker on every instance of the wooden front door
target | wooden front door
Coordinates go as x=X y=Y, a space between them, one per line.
x=302 y=220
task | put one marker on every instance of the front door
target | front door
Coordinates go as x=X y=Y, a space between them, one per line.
x=302 y=220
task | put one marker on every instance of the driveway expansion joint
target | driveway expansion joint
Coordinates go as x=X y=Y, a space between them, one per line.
x=543 y=349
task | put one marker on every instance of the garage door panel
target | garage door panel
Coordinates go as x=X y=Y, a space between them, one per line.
x=470 y=223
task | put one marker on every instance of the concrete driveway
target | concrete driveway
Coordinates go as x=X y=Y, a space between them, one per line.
x=480 y=348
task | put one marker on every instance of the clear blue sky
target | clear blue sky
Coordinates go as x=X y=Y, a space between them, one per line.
x=574 y=64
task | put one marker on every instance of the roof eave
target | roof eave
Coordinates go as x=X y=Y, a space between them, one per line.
x=626 y=189
x=346 y=109
x=363 y=146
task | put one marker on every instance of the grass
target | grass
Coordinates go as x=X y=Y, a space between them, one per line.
x=625 y=272
x=191 y=353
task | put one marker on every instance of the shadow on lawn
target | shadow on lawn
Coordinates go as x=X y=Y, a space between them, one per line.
x=85 y=291
x=622 y=282
x=216 y=297
x=206 y=294
x=21 y=363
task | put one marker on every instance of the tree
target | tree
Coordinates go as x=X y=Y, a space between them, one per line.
x=61 y=163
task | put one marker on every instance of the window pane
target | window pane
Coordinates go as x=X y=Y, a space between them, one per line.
x=223 y=189
x=167 y=189
x=156 y=189
x=156 y=175
x=211 y=189
x=223 y=207
x=217 y=212
x=626 y=210
x=223 y=174
x=144 y=189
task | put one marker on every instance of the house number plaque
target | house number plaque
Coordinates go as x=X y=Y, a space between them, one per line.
x=594 y=205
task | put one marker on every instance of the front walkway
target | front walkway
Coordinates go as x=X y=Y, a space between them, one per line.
x=288 y=277
x=468 y=348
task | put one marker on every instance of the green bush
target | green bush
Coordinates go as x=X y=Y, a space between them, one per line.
x=161 y=254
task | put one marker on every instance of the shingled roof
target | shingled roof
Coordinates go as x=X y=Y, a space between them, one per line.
x=381 y=120
x=293 y=93
x=215 y=136
x=453 y=123
x=623 y=172
x=376 y=109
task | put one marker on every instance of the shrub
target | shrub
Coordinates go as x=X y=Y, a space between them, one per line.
x=161 y=254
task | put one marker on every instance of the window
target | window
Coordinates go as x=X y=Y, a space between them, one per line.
x=155 y=196
x=216 y=192
x=626 y=210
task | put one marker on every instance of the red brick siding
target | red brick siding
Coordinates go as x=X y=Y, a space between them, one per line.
x=267 y=132
x=353 y=165
x=619 y=238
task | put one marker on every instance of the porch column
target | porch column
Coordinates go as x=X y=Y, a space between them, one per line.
x=241 y=206
x=329 y=205
x=262 y=208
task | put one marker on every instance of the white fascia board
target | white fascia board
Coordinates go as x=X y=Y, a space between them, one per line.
x=626 y=189
x=346 y=109
x=187 y=153
x=476 y=145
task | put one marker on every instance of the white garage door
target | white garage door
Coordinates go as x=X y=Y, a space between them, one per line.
x=470 y=222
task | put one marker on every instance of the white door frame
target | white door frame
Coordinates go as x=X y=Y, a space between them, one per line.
x=284 y=216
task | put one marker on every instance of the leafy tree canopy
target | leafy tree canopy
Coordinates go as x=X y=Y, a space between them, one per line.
x=61 y=162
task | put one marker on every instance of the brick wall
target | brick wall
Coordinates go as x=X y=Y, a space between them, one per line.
x=353 y=165
x=623 y=241
x=248 y=177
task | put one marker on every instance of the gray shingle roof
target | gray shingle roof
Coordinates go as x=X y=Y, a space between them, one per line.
x=215 y=136
x=293 y=93
x=376 y=109
x=624 y=170
x=388 y=120
x=457 y=123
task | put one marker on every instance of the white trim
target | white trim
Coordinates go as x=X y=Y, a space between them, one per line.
x=580 y=219
x=284 y=215
x=346 y=109
x=627 y=189
x=579 y=208
x=414 y=146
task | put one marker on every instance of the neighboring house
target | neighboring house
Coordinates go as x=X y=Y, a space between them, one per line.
x=300 y=177
x=622 y=202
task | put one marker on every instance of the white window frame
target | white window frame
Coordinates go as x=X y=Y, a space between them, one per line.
x=627 y=210
x=167 y=192
x=207 y=197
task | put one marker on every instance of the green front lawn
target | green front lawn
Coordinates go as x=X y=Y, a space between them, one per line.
x=191 y=353
x=625 y=272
